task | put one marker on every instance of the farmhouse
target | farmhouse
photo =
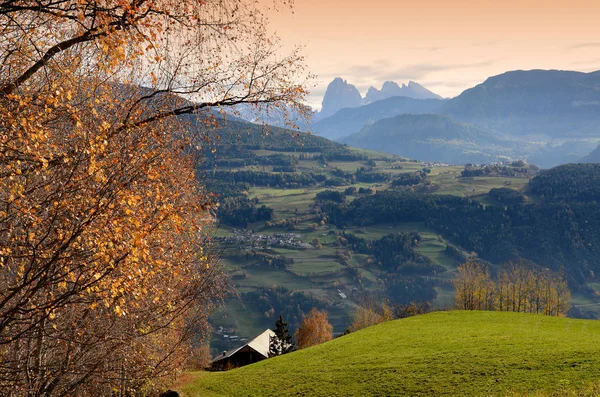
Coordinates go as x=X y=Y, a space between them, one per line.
x=255 y=350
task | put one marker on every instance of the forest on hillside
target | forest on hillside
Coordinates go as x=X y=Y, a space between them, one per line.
x=558 y=229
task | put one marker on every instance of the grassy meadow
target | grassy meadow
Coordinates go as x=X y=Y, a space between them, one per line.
x=439 y=354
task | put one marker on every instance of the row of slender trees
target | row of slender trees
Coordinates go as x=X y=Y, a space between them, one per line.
x=516 y=287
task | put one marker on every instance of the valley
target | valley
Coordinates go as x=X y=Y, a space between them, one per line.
x=286 y=252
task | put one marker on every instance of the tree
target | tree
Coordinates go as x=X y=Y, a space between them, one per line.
x=314 y=329
x=199 y=359
x=519 y=288
x=316 y=243
x=281 y=342
x=371 y=313
x=412 y=309
x=532 y=289
x=105 y=270
x=474 y=286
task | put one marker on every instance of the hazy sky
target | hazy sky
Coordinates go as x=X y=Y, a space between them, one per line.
x=446 y=45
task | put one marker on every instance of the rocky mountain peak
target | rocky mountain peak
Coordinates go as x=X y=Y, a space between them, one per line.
x=339 y=95
x=390 y=86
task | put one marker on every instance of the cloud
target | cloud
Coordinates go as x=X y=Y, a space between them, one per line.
x=364 y=70
x=376 y=73
x=319 y=90
x=451 y=84
x=427 y=48
x=588 y=62
x=422 y=70
x=434 y=48
x=583 y=46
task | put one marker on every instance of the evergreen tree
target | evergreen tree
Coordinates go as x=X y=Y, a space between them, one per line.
x=281 y=343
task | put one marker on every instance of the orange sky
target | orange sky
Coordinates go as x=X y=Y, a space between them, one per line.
x=446 y=45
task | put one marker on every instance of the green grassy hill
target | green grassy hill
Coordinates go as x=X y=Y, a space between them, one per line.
x=439 y=354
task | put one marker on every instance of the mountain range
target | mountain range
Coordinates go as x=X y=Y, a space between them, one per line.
x=391 y=89
x=340 y=94
x=554 y=116
x=534 y=103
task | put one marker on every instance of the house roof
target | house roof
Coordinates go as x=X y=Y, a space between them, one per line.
x=260 y=344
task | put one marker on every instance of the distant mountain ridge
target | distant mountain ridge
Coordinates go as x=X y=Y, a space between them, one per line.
x=282 y=116
x=391 y=89
x=348 y=121
x=553 y=114
x=593 y=157
x=340 y=94
x=431 y=137
x=550 y=103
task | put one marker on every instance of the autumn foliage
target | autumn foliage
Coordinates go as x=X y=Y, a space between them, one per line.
x=105 y=267
x=370 y=313
x=314 y=329
x=517 y=288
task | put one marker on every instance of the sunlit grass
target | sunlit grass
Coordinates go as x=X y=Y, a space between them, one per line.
x=440 y=354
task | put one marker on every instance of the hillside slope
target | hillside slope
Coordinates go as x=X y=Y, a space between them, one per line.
x=593 y=157
x=552 y=103
x=431 y=137
x=558 y=226
x=241 y=135
x=441 y=354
